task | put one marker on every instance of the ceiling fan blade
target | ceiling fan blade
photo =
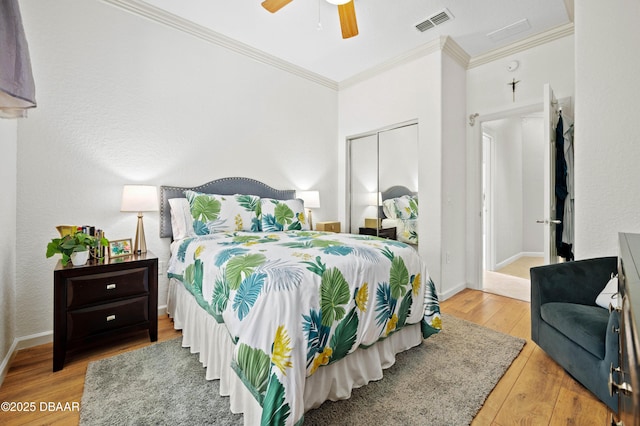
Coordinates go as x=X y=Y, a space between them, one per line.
x=275 y=5
x=348 y=22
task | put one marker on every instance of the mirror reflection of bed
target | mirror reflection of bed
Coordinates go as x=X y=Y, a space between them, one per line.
x=383 y=165
x=399 y=210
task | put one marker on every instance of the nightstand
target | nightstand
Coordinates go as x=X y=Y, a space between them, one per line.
x=103 y=299
x=388 y=233
x=328 y=226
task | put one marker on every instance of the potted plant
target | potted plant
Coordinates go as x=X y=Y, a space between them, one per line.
x=74 y=247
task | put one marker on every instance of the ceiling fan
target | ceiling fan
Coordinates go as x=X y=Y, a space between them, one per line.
x=346 y=11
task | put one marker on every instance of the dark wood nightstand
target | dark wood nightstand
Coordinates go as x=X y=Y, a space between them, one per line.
x=102 y=299
x=388 y=233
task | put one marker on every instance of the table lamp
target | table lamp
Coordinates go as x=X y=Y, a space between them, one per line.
x=311 y=201
x=139 y=198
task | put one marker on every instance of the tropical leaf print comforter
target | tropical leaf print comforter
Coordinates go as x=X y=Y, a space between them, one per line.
x=297 y=300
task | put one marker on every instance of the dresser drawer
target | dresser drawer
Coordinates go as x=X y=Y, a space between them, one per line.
x=85 y=322
x=98 y=288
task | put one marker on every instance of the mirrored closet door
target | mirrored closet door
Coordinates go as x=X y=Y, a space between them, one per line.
x=383 y=182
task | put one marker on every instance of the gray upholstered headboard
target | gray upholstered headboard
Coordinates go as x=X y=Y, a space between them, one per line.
x=394 y=192
x=224 y=186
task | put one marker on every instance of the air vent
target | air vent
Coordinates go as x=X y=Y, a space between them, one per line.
x=436 y=19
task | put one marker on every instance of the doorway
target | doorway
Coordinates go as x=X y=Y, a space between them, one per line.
x=512 y=197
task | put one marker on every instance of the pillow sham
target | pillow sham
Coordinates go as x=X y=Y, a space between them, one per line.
x=405 y=207
x=609 y=294
x=181 y=219
x=223 y=213
x=283 y=215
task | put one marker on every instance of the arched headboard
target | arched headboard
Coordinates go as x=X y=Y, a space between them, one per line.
x=223 y=186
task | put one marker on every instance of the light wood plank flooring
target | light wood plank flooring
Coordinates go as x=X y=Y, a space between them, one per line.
x=534 y=391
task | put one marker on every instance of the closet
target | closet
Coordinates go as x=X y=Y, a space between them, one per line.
x=376 y=161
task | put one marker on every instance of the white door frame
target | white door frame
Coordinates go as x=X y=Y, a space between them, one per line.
x=488 y=156
x=474 y=185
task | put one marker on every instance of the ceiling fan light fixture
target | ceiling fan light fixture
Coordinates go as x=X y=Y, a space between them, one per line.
x=338 y=2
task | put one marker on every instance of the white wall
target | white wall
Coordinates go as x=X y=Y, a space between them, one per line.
x=454 y=174
x=122 y=100
x=507 y=188
x=607 y=148
x=8 y=174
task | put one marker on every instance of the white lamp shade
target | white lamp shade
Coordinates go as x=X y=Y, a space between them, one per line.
x=338 y=2
x=139 y=198
x=375 y=198
x=311 y=198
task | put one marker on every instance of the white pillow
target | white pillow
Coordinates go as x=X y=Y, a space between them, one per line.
x=609 y=295
x=181 y=219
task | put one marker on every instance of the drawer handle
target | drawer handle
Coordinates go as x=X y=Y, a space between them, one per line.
x=111 y=286
x=111 y=317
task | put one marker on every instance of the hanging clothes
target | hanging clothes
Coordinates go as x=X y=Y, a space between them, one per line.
x=564 y=250
x=569 y=218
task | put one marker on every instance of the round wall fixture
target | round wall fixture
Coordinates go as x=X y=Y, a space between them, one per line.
x=513 y=65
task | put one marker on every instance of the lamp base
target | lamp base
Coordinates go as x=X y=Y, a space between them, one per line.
x=310 y=220
x=140 y=244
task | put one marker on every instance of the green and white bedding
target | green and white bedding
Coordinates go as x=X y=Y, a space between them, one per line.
x=402 y=213
x=294 y=301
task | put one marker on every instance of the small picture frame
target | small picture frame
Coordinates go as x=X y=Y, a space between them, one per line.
x=119 y=248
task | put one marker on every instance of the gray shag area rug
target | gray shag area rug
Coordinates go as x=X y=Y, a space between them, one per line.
x=444 y=381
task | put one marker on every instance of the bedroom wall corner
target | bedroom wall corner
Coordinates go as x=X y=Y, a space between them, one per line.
x=8 y=176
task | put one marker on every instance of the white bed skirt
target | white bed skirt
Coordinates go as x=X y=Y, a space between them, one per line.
x=203 y=335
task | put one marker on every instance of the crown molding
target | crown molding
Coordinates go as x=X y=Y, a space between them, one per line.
x=140 y=8
x=442 y=44
x=453 y=49
x=517 y=47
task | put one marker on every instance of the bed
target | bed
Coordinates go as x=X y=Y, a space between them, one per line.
x=400 y=210
x=287 y=318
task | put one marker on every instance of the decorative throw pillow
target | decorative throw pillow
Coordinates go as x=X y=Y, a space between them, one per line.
x=389 y=208
x=223 y=213
x=181 y=219
x=609 y=294
x=283 y=215
x=406 y=207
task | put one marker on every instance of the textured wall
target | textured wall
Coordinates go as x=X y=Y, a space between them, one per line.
x=123 y=100
x=607 y=135
x=8 y=136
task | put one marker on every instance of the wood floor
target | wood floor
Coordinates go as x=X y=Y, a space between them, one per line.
x=534 y=391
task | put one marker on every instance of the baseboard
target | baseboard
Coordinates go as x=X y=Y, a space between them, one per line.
x=35 y=340
x=451 y=292
x=6 y=362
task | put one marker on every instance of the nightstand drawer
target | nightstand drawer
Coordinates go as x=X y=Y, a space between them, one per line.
x=100 y=288
x=85 y=322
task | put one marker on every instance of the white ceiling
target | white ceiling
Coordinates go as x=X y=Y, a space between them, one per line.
x=387 y=28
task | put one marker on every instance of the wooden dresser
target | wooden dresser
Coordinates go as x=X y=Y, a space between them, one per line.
x=626 y=380
x=102 y=299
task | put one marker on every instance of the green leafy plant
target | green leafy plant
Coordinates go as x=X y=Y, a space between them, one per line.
x=69 y=244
